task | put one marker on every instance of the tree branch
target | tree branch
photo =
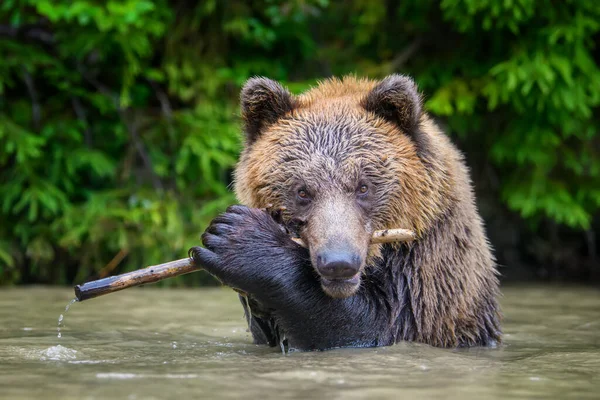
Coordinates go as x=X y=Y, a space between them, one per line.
x=141 y=149
x=163 y=99
x=170 y=269
x=399 y=61
x=80 y=113
x=32 y=32
x=35 y=103
x=131 y=126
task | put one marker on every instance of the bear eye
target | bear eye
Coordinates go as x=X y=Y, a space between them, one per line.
x=303 y=194
x=363 y=189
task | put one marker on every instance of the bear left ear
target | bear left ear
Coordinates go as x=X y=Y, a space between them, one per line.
x=396 y=100
x=263 y=103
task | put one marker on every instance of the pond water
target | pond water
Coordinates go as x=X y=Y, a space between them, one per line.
x=150 y=343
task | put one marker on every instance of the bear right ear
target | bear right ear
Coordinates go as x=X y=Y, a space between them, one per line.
x=396 y=100
x=263 y=103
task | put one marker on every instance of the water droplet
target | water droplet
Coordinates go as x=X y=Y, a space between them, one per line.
x=70 y=304
x=61 y=318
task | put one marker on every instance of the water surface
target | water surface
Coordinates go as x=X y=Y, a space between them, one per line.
x=151 y=344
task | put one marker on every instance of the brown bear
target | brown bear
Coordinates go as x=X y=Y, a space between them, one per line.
x=344 y=159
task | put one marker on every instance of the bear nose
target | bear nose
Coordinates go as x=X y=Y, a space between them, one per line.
x=338 y=264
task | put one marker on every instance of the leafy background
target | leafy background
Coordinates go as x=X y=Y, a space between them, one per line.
x=119 y=122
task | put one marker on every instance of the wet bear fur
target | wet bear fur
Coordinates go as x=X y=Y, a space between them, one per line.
x=315 y=154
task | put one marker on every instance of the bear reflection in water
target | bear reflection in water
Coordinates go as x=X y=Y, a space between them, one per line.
x=346 y=158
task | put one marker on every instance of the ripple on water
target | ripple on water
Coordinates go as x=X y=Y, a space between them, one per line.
x=125 y=375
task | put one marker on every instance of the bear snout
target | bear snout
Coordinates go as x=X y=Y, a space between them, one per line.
x=338 y=265
x=339 y=271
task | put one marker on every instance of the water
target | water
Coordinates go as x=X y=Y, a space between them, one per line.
x=61 y=318
x=153 y=344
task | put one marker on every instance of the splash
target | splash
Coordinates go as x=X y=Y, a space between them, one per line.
x=283 y=344
x=58 y=353
x=249 y=312
x=62 y=317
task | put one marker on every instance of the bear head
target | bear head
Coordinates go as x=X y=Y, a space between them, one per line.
x=345 y=158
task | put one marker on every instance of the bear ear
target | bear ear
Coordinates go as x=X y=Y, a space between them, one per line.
x=263 y=103
x=396 y=100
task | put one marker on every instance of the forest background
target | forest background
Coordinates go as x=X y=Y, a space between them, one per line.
x=119 y=120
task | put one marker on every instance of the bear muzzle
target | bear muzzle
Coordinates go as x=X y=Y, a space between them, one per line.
x=338 y=239
x=339 y=271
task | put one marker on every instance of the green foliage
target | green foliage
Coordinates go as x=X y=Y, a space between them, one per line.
x=541 y=88
x=119 y=123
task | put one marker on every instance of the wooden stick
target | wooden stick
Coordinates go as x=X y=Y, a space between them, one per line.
x=142 y=276
x=383 y=236
x=171 y=269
